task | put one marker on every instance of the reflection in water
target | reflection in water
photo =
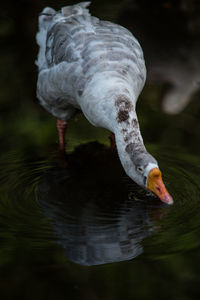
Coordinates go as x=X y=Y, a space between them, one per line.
x=169 y=33
x=94 y=210
x=98 y=216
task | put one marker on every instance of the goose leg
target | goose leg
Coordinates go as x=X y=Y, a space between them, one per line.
x=61 y=126
x=112 y=141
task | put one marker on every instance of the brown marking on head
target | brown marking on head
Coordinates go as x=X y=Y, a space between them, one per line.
x=138 y=154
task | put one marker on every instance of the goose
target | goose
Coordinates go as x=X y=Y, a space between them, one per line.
x=97 y=67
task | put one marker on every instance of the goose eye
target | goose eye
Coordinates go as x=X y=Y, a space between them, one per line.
x=140 y=169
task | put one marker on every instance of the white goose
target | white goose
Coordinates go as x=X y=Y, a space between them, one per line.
x=97 y=67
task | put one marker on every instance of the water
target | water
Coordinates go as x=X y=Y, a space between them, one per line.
x=86 y=224
x=80 y=228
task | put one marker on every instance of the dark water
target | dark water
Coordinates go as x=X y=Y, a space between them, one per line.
x=79 y=228
x=86 y=230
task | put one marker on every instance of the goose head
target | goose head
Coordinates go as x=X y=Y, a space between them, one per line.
x=144 y=170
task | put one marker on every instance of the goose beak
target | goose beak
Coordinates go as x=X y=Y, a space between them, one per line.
x=156 y=185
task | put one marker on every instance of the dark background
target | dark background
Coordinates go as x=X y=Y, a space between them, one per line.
x=32 y=267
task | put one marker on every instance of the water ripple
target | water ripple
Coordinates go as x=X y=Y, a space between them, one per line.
x=94 y=211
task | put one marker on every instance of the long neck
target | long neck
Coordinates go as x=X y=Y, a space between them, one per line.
x=129 y=141
x=128 y=138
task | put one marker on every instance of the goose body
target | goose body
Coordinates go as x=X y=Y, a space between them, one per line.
x=98 y=67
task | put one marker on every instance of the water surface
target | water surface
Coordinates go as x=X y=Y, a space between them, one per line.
x=89 y=221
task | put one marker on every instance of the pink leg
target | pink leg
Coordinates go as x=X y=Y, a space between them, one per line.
x=62 y=126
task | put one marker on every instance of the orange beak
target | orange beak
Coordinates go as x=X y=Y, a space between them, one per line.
x=156 y=185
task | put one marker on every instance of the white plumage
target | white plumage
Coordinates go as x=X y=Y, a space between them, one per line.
x=98 y=67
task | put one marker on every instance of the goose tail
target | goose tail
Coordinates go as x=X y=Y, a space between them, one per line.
x=45 y=20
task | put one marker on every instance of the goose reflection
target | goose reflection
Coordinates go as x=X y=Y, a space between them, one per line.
x=98 y=217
